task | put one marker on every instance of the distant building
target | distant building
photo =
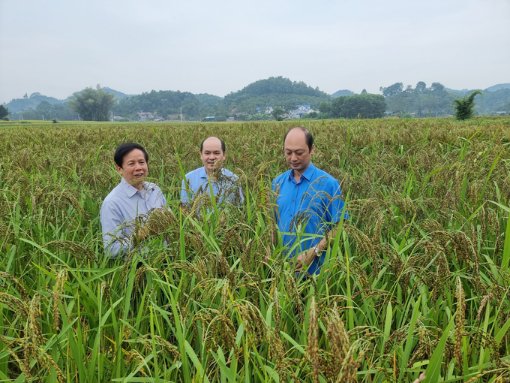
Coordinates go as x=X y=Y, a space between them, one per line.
x=300 y=111
x=145 y=116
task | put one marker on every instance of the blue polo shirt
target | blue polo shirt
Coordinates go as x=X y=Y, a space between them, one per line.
x=226 y=188
x=307 y=209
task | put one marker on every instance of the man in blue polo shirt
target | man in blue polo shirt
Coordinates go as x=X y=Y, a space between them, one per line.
x=308 y=202
x=212 y=178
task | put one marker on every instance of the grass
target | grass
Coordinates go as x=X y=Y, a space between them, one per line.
x=417 y=280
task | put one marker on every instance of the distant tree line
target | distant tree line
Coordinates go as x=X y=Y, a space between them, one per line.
x=419 y=101
x=364 y=105
x=170 y=105
x=272 y=98
x=47 y=111
x=249 y=103
x=4 y=112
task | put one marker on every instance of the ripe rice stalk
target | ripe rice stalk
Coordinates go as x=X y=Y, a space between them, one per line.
x=294 y=294
x=163 y=344
x=16 y=282
x=160 y=221
x=312 y=349
x=277 y=354
x=14 y=347
x=134 y=356
x=58 y=288
x=220 y=330
x=255 y=325
x=460 y=316
x=48 y=362
x=347 y=371
x=33 y=328
x=365 y=244
x=15 y=304
x=338 y=339
x=77 y=249
x=209 y=289
x=417 y=185
x=277 y=311
x=426 y=344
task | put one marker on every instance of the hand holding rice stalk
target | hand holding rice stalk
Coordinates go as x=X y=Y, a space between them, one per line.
x=305 y=258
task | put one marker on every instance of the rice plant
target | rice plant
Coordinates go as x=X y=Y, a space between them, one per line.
x=417 y=280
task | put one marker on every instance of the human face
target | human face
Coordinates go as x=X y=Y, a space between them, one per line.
x=297 y=153
x=134 y=168
x=212 y=155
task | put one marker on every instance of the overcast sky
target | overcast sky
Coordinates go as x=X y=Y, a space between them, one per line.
x=57 y=47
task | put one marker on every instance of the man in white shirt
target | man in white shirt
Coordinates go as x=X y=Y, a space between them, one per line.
x=130 y=201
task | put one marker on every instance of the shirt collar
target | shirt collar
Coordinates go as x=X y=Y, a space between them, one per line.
x=202 y=173
x=307 y=174
x=130 y=190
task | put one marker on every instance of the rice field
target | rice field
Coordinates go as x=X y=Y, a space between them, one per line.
x=417 y=280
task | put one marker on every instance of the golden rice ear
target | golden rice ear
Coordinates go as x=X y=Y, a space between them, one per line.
x=338 y=341
x=57 y=293
x=15 y=304
x=312 y=349
x=16 y=283
x=460 y=316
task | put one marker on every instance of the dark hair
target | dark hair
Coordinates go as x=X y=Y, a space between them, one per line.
x=223 y=147
x=308 y=136
x=125 y=148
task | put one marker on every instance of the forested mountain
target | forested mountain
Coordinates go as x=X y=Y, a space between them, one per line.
x=115 y=93
x=253 y=99
x=493 y=101
x=273 y=92
x=26 y=103
x=497 y=87
x=343 y=93
x=40 y=107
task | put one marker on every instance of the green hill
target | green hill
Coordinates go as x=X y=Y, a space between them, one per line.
x=273 y=92
x=26 y=103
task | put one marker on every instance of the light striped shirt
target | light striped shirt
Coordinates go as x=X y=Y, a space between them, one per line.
x=120 y=210
x=226 y=188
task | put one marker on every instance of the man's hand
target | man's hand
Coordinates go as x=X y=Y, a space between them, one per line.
x=304 y=259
